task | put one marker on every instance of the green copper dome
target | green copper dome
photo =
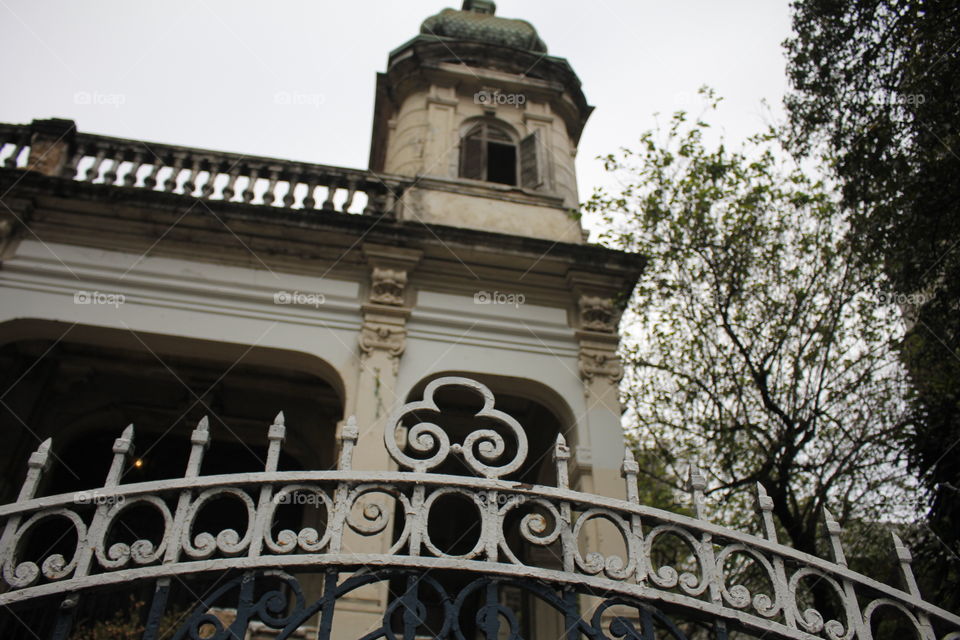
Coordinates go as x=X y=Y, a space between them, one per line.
x=476 y=22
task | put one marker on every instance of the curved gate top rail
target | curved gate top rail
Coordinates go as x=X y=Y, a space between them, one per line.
x=513 y=517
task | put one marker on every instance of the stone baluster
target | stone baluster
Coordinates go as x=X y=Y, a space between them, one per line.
x=331 y=193
x=150 y=181
x=200 y=442
x=250 y=192
x=22 y=141
x=351 y=193
x=210 y=184
x=130 y=179
x=113 y=171
x=228 y=190
x=374 y=203
x=190 y=184
x=308 y=200
x=269 y=196
x=70 y=166
x=94 y=171
x=170 y=184
x=289 y=198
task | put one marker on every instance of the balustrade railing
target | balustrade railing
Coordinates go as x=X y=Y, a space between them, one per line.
x=204 y=174
x=707 y=576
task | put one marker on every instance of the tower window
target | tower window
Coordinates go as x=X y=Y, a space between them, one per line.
x=488 y=153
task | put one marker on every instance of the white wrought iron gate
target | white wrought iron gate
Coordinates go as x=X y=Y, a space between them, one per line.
x=435 y=593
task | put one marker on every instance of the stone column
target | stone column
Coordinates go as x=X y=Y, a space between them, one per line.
x=382 y=341
x=597 y=454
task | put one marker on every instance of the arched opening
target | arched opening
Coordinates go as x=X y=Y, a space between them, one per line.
x=83 y=389
x=488 y=152
x=82 y=386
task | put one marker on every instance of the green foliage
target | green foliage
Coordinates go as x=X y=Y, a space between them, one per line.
x=875 y=86
x=754 y=343
x=126 y=624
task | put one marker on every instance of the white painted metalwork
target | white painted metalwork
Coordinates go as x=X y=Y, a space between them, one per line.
x=554 y=517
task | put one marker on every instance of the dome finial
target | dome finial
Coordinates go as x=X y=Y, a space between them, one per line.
x=480 y=6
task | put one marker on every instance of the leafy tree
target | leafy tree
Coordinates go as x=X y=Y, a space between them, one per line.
x=754 y=341
x=875 y=86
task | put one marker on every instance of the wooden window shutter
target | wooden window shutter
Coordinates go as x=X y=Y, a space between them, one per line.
x=532 y=162
x=472 y=152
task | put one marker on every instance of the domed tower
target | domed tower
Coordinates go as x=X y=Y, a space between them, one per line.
x=486 y=121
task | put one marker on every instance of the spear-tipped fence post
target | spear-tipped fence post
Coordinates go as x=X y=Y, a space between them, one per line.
x=629 y=470
x=854 y=613
x=122 y=449
x=349 y=435
x=781 y=586
x=96 y=534
x=276 y=434
x=906 y=567
x=696 y=484
x=199 y=443
x=561 y=456
x=38 y=463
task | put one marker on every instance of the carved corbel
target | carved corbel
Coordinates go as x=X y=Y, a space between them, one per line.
x=387 y=286
x=600 y=363
x=380 y=336
x=598 y=314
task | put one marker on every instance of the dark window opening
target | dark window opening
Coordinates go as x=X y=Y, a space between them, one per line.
x=502 y=163
x=488 y=153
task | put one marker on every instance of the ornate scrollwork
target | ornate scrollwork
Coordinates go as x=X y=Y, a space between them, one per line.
x=142 y=551
x=810 y=619
x=668 y=577
x=748 y=583
x=227 y=541
x=612 y=566
x=479 y=447
x=308 y=538
x=54 y=566
x=739 y=596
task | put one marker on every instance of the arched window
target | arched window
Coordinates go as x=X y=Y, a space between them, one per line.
x=488 y=152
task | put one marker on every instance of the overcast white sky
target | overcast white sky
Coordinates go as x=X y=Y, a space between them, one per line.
x=207 y=73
